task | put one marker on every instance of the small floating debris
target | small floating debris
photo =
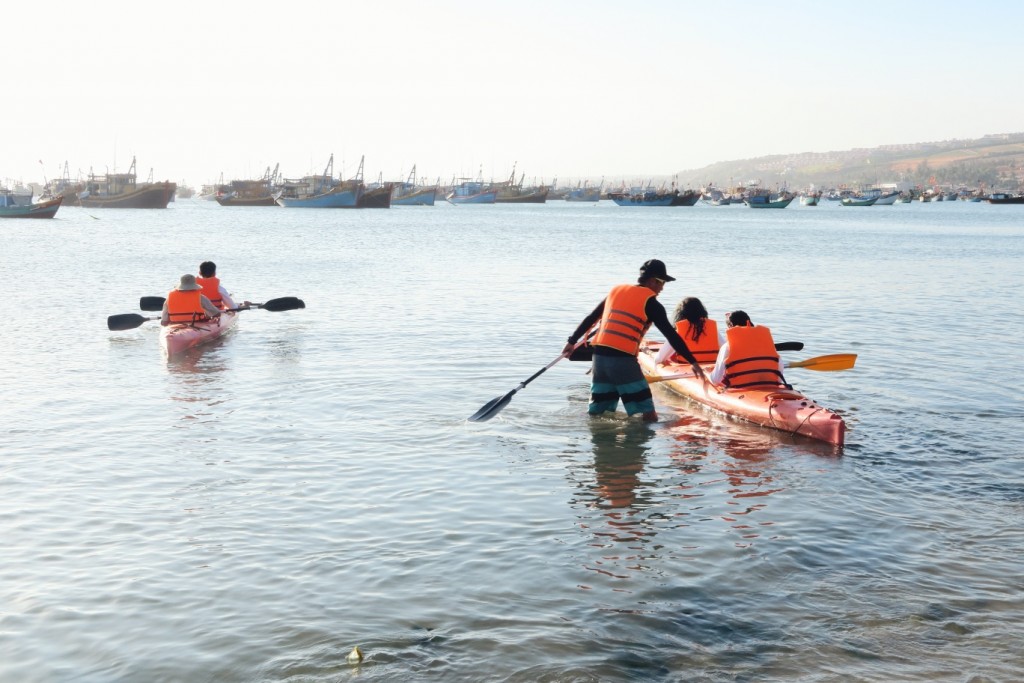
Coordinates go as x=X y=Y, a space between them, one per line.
x=355 y=657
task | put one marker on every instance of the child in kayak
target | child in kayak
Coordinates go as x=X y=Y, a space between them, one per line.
x=698 y=331
x=748 y=358
x=214 y=290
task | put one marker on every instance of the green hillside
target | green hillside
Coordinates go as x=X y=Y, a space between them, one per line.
x=995 y=162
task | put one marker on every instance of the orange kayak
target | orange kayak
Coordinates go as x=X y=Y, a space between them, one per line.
x=787 y=410
x=175 y=339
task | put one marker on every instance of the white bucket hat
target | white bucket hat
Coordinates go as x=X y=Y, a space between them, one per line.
x=188 y=284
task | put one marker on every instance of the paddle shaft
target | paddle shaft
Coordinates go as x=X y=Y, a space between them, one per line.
x=495 y=406
x=830 y=363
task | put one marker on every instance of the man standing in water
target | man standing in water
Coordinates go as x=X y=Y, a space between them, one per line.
x=625 y=316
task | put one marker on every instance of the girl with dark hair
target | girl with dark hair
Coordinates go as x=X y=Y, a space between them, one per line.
x=700 y=334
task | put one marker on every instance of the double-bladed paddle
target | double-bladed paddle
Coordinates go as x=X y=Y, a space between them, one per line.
x=830 y=363
x=285 y=303
x=492 y=408
x=129 y=321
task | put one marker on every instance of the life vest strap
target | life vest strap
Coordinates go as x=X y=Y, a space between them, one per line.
x=630 y=337
x=750 y=360
x=628 y=315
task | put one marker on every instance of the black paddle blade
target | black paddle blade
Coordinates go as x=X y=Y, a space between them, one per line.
x=152 y=303
x=789 y=346
x=125 y=321
x=285 y=303
x=492 y=408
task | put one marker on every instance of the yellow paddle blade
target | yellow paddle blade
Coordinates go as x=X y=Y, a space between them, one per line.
x=830 y=363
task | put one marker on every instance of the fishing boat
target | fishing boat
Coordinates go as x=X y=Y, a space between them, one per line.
x=859 y=201
x=511 y=192
x=472 y=192
x=765 y=201
x=175 y=339
x=783 y=409
x=648 y=196
x=886 y=198
x=811 y=199
x=12 y=206
x=641 y=197
x=1003 y=198
x=322 y=191
x=259 y=192
x=584 y=193
x=120 y=191
x=411 y=194
x=684 y=198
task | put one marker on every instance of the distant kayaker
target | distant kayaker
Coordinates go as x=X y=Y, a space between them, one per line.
x=698 y=331
x=213 y=289
x=625 y=316
x=748 y=357
x=186 y=303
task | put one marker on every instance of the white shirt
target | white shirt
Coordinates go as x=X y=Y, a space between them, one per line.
x=225 y=297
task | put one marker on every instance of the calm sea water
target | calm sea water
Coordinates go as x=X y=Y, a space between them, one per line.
x=309 y=483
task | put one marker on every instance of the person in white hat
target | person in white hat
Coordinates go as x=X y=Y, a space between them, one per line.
x=186 y=303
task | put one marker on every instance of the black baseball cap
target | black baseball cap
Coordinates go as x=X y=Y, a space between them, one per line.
x=655 y=268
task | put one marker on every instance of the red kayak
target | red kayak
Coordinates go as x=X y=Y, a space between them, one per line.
x=784 y=409
x=174 y=339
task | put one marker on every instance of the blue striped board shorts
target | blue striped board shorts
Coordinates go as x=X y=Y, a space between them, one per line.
x=619 y=377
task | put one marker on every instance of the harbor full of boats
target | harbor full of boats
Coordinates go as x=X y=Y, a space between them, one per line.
x=326 y=190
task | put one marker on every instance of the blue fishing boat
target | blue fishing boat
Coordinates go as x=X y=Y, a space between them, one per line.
x=584 y=193
x=411 y=194
x=13 y=206
x=473 y=192
x=764 y=201
x=321 y=191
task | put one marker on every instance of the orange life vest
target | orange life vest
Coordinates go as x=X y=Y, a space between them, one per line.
x=211 y=290
x=624 y=321
x=752 y=360
x=705 y=349
x=185 y=307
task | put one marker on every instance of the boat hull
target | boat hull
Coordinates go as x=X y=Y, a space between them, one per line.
x=685 y=199
x=648 y=199
x=47 y=209
x=859 y=202
x=151 y=196
x=780 y=204
x=176 y=339
x=539 y=197
x=488 y=197
x=338 y=198
x=422 y=197
x=1005 y=199
x=786 y=410
x=247 y=201
x=376 y=198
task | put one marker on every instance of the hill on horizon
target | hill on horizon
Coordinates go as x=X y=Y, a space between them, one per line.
x=994 y=162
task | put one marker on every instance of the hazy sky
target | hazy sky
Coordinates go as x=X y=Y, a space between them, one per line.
x=567 y=89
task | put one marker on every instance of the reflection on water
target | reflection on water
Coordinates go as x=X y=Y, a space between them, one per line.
x=618 y=462
x=196 y=382
x=714 y=477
